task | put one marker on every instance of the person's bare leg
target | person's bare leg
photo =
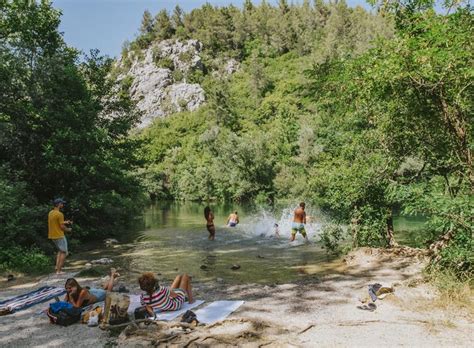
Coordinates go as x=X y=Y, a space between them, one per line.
x=57 y=262
x=176 y=282
x=293 y=236
x=61 y=259
x=213 y=233
x=108 y=286
x=185 y=284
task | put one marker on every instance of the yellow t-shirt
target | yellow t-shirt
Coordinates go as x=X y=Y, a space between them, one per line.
x=55 y=220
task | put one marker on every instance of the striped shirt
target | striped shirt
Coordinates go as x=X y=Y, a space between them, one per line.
x=161 y=299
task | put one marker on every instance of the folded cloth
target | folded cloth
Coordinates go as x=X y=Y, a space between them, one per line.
x=217 y=311
x=29 y=299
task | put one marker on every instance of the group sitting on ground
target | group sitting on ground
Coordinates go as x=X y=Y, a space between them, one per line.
x=156 y=296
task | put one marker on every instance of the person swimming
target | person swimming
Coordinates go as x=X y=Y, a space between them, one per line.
x=233 y=219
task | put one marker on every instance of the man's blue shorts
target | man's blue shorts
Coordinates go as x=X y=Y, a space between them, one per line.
x=61 y=244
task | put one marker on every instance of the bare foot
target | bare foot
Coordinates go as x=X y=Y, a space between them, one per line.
x=191 y=301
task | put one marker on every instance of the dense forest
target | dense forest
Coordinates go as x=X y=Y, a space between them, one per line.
x=362 y=113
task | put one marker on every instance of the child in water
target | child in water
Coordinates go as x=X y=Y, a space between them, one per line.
x=276 y=230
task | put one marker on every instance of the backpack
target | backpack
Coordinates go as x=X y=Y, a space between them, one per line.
x=63 y=313
x=115 y=309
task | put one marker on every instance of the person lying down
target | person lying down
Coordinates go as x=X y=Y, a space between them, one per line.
x=162 y=298
x=81 y=297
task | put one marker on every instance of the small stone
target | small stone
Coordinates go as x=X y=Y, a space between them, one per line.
x=203 y=267
x=235 y=267
x=260 y=257
x=10 y=277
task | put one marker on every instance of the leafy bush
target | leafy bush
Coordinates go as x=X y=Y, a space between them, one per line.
x=331 y=237
x=28 y=260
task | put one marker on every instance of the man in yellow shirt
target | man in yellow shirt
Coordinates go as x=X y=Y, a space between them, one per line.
x=56 y=229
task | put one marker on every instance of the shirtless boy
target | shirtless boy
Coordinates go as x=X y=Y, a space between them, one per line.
x=299 y=220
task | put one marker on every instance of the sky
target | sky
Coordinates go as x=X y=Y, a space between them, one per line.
x=106 y=24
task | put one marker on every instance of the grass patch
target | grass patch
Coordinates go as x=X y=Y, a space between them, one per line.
x=454 y=292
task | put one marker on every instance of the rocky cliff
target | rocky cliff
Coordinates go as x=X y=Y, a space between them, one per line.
x=158 y=78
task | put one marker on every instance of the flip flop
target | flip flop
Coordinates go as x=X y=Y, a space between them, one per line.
x=369 y=307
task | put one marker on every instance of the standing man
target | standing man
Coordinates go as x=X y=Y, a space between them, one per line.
x=56 y=229
x=299 y=220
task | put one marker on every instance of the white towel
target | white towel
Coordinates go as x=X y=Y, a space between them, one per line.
x=217 y=311
x=167 y=316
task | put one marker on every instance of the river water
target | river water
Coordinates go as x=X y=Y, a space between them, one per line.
x=172 y=238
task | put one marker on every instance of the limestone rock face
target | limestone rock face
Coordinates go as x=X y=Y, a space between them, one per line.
x=159 y=79
x=185 y=96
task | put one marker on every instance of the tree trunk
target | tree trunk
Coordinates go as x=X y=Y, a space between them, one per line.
x=390 y=230
x=441 y=243
x=457 y=125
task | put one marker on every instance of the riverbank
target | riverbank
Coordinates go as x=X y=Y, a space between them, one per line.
x=313 y=311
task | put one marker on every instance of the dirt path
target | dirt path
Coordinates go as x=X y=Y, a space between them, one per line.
x=312 y=312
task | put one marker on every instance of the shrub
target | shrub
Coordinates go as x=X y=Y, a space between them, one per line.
x=331 y=238
x=24 y=260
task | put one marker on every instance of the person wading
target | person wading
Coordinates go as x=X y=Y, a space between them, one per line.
x=56 y=228
x=209 y=216
x=299 y=220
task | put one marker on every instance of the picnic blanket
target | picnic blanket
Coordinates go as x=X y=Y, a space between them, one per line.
x=166 y=316
x=217 y=311
x=29 y=299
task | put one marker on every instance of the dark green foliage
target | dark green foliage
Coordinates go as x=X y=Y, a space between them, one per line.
x=28 y=260
x=331 y=237
x=63 y=132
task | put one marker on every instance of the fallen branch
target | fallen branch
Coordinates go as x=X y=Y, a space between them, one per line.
x=167 y=339
x=191 y=341
x=217 y=339
x=109 y=327
x=303 y=331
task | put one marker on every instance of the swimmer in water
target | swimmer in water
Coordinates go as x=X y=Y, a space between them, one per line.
x=233 y=219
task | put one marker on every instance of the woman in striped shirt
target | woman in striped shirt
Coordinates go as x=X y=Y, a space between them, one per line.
x=164 y=298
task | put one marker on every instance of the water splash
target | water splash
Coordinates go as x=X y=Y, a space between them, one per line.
x=261 y=224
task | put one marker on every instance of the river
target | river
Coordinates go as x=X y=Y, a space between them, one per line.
x=172 y=238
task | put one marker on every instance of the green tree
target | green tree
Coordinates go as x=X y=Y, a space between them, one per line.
x=163 y=27
x=64 y=131
x=147 y=23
